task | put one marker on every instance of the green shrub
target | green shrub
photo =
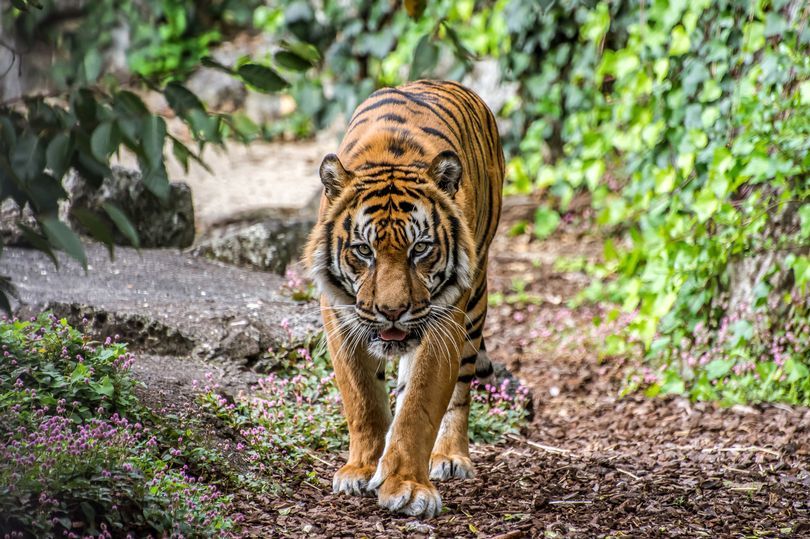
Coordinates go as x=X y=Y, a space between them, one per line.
x=688 y=125
x=80 y=455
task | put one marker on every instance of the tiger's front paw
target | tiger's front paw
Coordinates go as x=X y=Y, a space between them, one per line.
x=410 y=497
x=444 y=467
x=352 y=479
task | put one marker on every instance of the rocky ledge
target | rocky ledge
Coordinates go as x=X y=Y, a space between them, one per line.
x=163 y=301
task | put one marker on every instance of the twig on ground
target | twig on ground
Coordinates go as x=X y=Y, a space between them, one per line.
x=748 y=449
x=542 y=447
x=316 y=457
x=570 y=502
x=625 y=472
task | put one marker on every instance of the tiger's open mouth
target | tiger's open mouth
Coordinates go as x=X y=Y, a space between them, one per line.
x=393 y=334
x=393 y=341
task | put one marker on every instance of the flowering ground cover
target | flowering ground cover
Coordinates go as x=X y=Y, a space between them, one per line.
x=81 y=456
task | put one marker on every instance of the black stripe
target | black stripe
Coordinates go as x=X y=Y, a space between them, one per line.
x=381 y=375
x=350 y=146
x=472 y=323
x=334 y=280
x=354 y=124
x=378 y=104
x=391 y=117
x=395 y=149
x=416 y=100
x=474 y=334
x=437 y=133
x=469 y=360
x=466 y=378
x=476 y=298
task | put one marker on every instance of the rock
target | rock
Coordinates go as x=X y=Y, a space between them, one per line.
x=10 y=215
x=270 y=244
x=158 y=223
x=164 y=302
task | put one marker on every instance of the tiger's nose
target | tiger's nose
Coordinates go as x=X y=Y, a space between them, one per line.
x=392 y=313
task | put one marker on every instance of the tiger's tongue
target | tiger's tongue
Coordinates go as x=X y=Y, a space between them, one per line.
x=393 y=334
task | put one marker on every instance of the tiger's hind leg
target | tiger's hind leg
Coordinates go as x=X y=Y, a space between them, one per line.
x=451 y=452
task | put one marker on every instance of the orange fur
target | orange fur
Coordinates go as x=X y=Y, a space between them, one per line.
x=411 y=203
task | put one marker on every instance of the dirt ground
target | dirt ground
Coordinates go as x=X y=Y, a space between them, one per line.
x=590 y=464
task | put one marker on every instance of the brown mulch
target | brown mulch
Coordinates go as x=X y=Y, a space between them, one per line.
x=591 y=463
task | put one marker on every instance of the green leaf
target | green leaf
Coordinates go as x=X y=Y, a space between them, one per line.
x=129 y=103
x=58 y=154
x=152 y=137
x=209 y=62
x=64 y=239
x=262 y=77
x=425 y=57
x=304 y=50
x=85 y=107
x=181 y=99
x=775 y=24
x=679 y=41
x=804 y=219
x=92 y=65
x=45 y=192
x=96 y=226
x=204 y=126
x=596 y=24
x=705 y=205
x=38 y=242
x=156 y=180
x=123 y=223
x=795 y=370
x=27 y=158
x=545 y=222
x=292 y=61
x=105 y=386
x=718 y=368
x=743 y=331
x=181 y=153
x=101 y=142
x=673 y=384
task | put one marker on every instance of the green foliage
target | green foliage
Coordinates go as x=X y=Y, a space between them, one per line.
x=296 y=411
x=81 y=454
x=498 y=410
x=90 y=116
x=687 y=123
x=360 y=46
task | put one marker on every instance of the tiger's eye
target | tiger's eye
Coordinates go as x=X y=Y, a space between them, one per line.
x=363 y=249
x=421 y=247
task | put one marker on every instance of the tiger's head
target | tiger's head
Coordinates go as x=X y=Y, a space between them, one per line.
x=391 y=250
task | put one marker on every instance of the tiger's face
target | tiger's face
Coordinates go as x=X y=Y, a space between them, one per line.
x=391 y=252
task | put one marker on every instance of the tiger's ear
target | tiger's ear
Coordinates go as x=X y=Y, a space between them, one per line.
x=333 y=176
x=446 y=171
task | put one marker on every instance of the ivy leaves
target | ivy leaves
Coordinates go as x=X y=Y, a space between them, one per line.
x=699 y=119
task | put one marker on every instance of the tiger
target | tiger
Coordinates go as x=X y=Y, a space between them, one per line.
x=410 y=204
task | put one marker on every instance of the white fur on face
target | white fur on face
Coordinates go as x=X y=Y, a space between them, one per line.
x=365 y=231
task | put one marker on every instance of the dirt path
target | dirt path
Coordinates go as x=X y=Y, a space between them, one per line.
x=591 y=464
